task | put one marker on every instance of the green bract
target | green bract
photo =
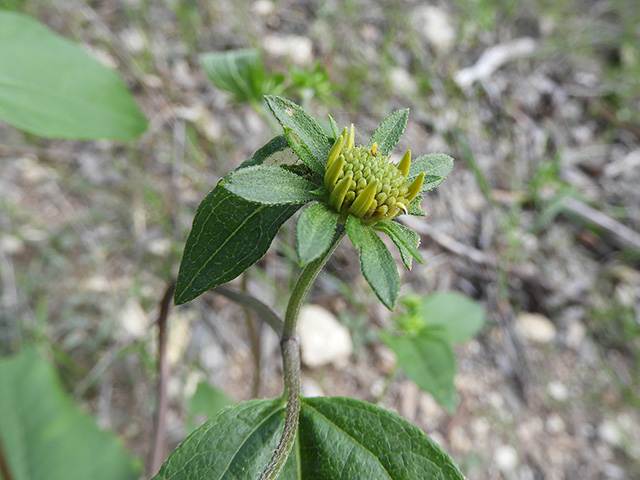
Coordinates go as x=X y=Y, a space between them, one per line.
x=353 y=185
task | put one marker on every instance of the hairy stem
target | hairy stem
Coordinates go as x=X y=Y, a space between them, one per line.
x=291 y=358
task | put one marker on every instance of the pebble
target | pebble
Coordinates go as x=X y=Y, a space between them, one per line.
x=435 y=26
x=402 y=81
x=297 y=48
x=536 y=327
x=323 y=339
x=558 y=391
x=505 y=458
x=610 y=433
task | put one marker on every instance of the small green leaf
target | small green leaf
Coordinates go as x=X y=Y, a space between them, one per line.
x=376 y=262
x=405 y=239
x=436 y=166
x=415 y=209
x=240 y=72
x=275 y=145
x=207 y=401
x=388 y=133
x=338 y=439
x=310 y=142
x=314 y=231
x=334 y=127
x=269 y=185
x=51 y=87
x=459 y=317
x=45 y=436
x=428 y=359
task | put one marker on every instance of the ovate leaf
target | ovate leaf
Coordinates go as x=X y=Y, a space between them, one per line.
x=45 y=436
x=229 y=234
x=376 y=262
x=428 y=359
x=388 y=133
x=405 y=239
x=458 y=316
x=304 y=134
x=269 y=185
x=338 y=439
x=240 y=72
x=314 y=231
x=436 y=166
x=51 y=87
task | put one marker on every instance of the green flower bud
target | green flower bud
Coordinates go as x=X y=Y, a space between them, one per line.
x=363 y=183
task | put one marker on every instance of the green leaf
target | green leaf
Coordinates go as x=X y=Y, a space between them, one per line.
x=304 y=134
x=314 y=231
x=240 y=72
x=414 y=208
x=207 y=401
x=436 y=166
x=45 y=436
x=376 y=262
x=49 y=86
x=388 y=133
x=229 y=234
x=269 y=185
x=428 y=359
x=338 y=439
x=275 y=145
x=458 y=316
x=405 y=239
x=334 y=127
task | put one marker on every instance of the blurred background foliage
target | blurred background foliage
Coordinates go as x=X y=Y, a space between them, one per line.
x=536 y=100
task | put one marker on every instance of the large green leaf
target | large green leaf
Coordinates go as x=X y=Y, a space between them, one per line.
x=405 y=239
x=229 y=234
x=45 y=436
x=206 y=402
x=388 y=133
x=436 y=166
x=51 y=87
x=240 y=72
x=270 y=185
x=304 y=134
x=376 y=262
x=315 y=228
x=458 y=316
x=338 y=439
x=428 y=359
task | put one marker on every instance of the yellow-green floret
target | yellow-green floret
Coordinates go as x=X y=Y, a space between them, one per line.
x=364 y=183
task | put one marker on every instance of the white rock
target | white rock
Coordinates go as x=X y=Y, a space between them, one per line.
x=311 y=388
x=576 y=332
x=133 y=39
x=263 y=7
x=435 y=26
x=298 y=49
x=558 y=391
x=11 y=245
x=133 y=320
x=402 y=81
x=323 y=340
x=610 y=433
x=505 y=458
x=536 y=327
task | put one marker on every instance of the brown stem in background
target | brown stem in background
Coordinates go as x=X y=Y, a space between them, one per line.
x=156 y=455
x=254 y=338
x=4 y=464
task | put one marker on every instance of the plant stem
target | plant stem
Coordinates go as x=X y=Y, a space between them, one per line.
x=291 y=358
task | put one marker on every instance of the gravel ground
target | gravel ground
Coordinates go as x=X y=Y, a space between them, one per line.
x=539 y=220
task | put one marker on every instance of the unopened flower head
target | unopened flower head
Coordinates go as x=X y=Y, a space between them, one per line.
x=365 y=184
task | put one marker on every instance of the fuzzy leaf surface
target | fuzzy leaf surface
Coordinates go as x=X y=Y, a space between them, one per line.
x=45 y=436
x=428 y=359
x=229 y=234
x=338 y=439
x=388 y=133
x=314 y=231
x=306 y=137
x=436 y=166
x=404 y=238
x=51 y=87
x=269 y=185
x=376 y=262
